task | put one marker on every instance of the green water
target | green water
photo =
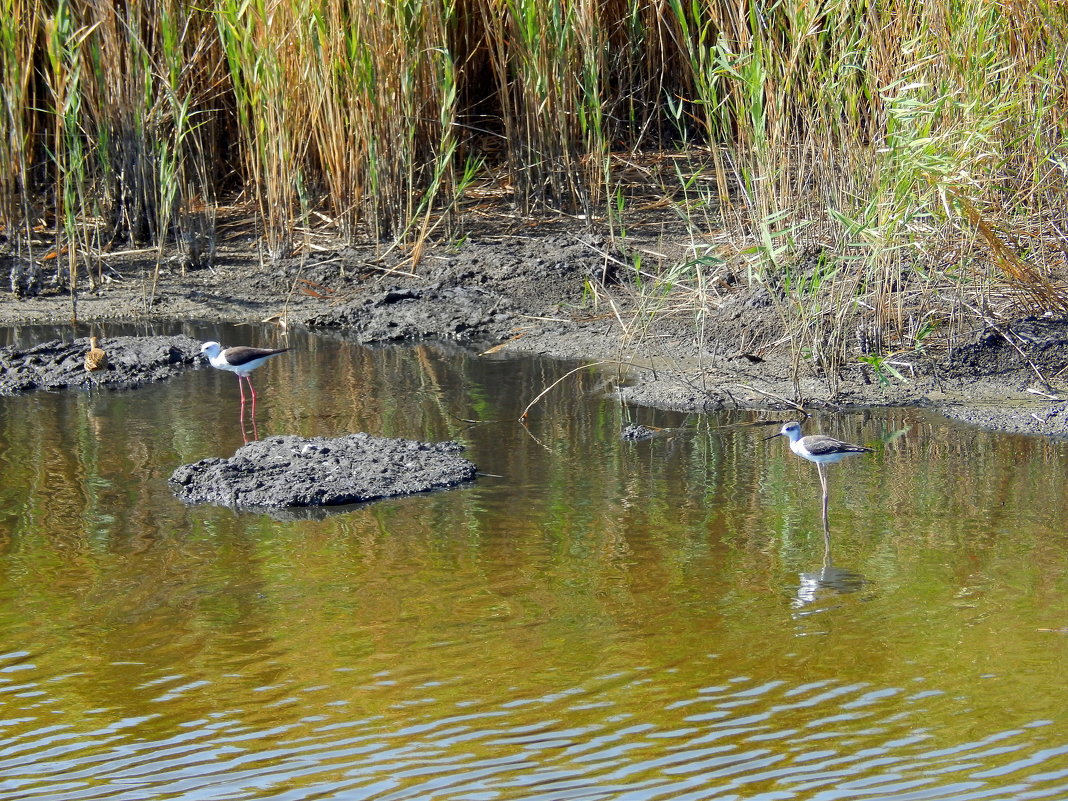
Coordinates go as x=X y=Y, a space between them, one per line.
x=598 y=619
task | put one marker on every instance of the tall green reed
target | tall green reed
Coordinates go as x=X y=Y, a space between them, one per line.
x=900 y=146
x=874 y=138
x=548 y=62
x=19 y=23
x=257 y=37
x=63 y=39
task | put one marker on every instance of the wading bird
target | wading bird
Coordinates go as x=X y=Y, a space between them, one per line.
x=820 y=449
x=95 y=359
x=240 y=360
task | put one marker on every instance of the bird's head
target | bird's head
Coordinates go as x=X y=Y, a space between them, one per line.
x=211 y=349
x=791 y=430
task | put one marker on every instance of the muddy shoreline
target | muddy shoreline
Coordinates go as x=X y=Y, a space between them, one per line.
x=569 y=295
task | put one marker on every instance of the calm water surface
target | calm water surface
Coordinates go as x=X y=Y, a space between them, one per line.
x=604 y=620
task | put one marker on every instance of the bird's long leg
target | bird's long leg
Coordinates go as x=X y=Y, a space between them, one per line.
x=823 y=484
x=255 y=432
x=249 y=380
x=244 y=436
x=241 y=389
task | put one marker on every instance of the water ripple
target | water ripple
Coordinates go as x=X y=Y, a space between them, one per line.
x=622 y=749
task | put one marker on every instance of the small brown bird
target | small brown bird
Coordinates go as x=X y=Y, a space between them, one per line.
x=96 y=359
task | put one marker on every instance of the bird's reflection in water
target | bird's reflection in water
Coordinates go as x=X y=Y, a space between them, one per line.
x=828 y=582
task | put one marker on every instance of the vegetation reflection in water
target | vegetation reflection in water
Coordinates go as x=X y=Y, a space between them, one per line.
x=605 y=620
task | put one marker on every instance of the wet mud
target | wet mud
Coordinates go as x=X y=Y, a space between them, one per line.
x=130 y=362
x=436 y=311
x=290 y=471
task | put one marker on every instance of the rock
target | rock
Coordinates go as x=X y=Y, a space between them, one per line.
x=132 y=361
x=320 y=471
x=636 y=433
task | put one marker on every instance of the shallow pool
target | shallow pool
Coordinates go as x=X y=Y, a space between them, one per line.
x=594 y=619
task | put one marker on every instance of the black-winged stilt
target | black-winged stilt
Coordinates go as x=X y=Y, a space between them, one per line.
x=820 y=449
x=240 y=360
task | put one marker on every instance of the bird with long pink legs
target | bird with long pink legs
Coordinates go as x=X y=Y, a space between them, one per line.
x=240 y=360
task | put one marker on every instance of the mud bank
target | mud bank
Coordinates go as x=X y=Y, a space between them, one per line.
x=131 y=362
x=577 y=296
x=435 y=311
x=320 y=471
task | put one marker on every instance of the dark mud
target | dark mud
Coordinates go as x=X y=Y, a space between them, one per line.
x=296 y=471
x=131 y=362
x=580 y=296
x=487 y=291
x=405 y=313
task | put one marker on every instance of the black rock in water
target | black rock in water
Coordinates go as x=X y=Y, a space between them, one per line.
x=322 y=471
x=131 y=361
x=637 y=433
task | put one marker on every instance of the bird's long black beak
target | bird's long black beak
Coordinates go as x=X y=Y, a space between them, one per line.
x=776 y=434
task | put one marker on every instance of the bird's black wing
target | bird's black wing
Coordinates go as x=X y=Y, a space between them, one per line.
x=243 y=355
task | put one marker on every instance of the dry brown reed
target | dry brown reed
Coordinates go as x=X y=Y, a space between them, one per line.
x=863 y=155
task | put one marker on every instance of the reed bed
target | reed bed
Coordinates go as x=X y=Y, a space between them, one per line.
x=877 y=166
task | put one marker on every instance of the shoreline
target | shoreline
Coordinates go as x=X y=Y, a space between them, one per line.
x=557 y=295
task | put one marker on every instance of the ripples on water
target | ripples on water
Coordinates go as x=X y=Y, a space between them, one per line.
x=608 y=620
